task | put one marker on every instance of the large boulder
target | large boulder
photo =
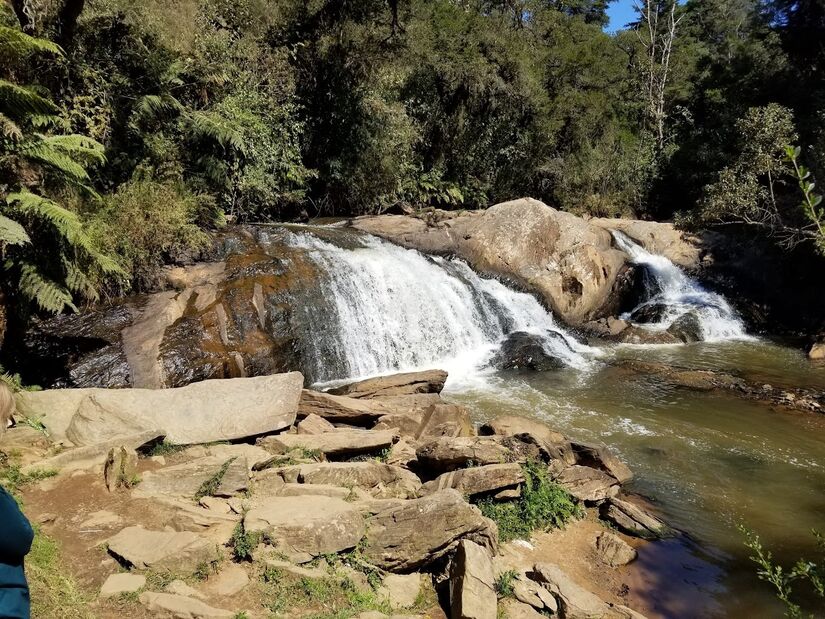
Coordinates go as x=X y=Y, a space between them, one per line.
x=613 y=550
x=411 y=383
x=472 y=585
x=340 y=409
x=566 y=260
x=687 y=328
x=658 y=238
x=415 y=533
x=209 y=411
x=180 y=551
x=632 y=519
x=380 y=480
x=575 y=602
x=555 y=443
x=305 y=527
x=586 y=484
x=600 y=457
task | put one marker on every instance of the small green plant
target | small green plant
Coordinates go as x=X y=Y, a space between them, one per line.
x=311 y=454
x=244 y=542
x=211 y=485
x=542 y=506
x=204 y=569
x=811 y=202
x=13 y=478
x=166 y=448
x=504 y=583
x=782 y=579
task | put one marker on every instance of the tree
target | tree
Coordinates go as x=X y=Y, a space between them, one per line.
x=47 y=254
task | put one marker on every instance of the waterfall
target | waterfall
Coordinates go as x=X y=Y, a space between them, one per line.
x=390 y=309
x=673 y=294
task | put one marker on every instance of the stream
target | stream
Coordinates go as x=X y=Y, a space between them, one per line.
x=707 y=461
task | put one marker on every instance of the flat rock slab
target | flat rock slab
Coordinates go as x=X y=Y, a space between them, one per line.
x=203 y=412
x=445 y=420
x=230 y=581
x=429 y=381
x=307 y=526
x=448 y=453
x=478 y=479
x=586 y=484
x=600 y=457
x=400 y=590
x=336 y=443
x=408 y=536
x=181 y=607
x=514 y=425
x=288 y=489
x=340 y=409
x=185 y=480
x=118 y=584
x=173 y=550
x=313 y=424
x=382 y=481
x=472 y=585
x=90 y=456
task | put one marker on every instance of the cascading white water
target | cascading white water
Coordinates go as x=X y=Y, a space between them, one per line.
x=394 y=309
x=676 y=294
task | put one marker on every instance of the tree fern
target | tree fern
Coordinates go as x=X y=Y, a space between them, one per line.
x=15 y=44
x=12 y=233
x=9 y=129
x=19 y=101
x=212 y=127
x=46 y=293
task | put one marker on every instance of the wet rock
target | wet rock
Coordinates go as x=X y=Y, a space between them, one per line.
x=398 y=542
x=176 y=551
x=586 y=484
x=308 y=526
x=600 y=457
x=117 y=584
x=687 y=328
x=380 y=480
x=430 y=381
x=187 y=479
x=641 y=335
x=524 y=351
x=181 y=607
x=649 y=313
x=332 y=444
x=632 y=519
x=450 y=453
x=472 y=584
x=313 y=424
x=575 y=602
x=478 y=480
x=609 y=327
x=613 y=550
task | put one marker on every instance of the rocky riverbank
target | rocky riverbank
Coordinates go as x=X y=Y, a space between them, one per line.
x=375 y=499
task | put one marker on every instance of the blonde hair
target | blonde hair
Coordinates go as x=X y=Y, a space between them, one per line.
x=6 y=406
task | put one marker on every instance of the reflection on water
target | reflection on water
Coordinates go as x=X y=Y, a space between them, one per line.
x=708 y=460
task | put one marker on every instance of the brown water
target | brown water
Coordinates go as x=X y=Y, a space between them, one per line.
x=708 y=460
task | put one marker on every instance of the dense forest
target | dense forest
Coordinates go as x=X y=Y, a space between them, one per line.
x=129 y=129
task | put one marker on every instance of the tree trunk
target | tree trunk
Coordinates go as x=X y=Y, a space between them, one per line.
x=67 y=21
x=24 y=10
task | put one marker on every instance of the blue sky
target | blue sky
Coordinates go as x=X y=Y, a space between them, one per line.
x=620 y=12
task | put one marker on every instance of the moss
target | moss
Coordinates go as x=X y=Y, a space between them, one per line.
x=543 y=505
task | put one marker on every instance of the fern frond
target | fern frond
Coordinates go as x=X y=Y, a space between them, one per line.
x=48 y=294
x=78 y=281
x=39 y=149
x=65 y=222
x=19 y=101
x=9 y=129
x=212 y=127
x=12 y=233
x=15 y=44
x=78 y=147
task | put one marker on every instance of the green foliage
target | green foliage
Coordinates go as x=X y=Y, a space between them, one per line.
x=166 y=448
x=782 y=579
x=811 y=202
x=504 y=583
x=211 y=485
x=243 y=543
x=542 y=505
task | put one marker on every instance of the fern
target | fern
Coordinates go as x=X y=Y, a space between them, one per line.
x=46 y=293
x=9 y=129
x=12 y=233
x=19 y=101
x=211 y=127
x=15 y=44
x=40 y=151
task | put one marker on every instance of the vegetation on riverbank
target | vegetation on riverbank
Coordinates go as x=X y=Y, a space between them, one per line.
x=273 y=109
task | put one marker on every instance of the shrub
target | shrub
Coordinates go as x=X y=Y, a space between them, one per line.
x=543 y=505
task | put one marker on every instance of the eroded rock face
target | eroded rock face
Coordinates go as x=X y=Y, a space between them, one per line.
x=398 y=542
x=586 y=484
x=472 y=585
x=613 y=550
x=331 y=444
x=632 y=519
x=479 y=480
x=380 y=480
x=411 y=383
x=448 y=453
x=575 y=602
x=568 y=261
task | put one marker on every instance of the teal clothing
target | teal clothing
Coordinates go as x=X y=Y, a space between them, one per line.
x=16 y=537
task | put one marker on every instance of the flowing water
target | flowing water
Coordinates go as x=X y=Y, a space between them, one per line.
x=709 y=461
x=677 y=294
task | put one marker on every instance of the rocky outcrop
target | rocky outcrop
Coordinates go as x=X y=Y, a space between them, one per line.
x=524 y=351
x=173 y=550
x=337 y=443
x=600 y=457
x=632 y=519
x=449 y=453
x=575 y=602
x=567 y=261
x=231 y=477
x=199 y=413
x=677 y=246
x=501 y=479
x=586 y=484
x=398 y=542
x=308 y=526
x=380 y=480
